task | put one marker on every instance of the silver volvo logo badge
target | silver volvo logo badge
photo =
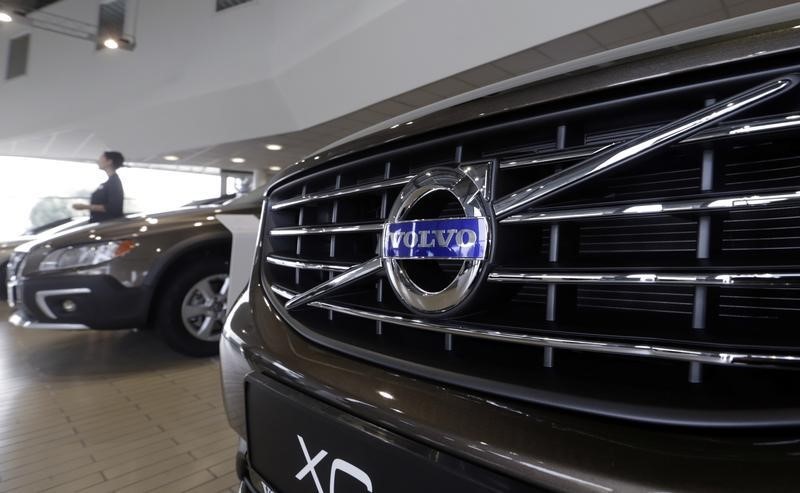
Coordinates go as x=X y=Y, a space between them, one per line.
x=442 y=215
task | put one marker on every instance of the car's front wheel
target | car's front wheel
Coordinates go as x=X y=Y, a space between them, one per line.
x=193 y=308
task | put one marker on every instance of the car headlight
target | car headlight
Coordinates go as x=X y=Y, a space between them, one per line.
x=85 y=255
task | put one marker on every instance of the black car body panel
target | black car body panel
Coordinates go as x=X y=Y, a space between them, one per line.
x=282 y=416
x=661 y=381
x=552 y=449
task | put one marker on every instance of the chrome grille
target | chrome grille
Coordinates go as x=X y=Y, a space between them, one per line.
x=679 y=266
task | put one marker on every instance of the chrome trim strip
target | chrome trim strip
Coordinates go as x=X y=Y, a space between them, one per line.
x=745 y=127
x=298 y=264
x=554 y=157
x=41 y=298
x=678 y=206
x=755 y=280
x=18 y=320
x=330 y=229
x=641 y=146
x=349 y=276
x=644 y=350
x=367 y=187
x=283 y=293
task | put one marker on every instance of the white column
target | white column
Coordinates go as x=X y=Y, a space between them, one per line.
x=260 y=177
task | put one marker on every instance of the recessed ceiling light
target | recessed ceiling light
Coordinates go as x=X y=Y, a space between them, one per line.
x=274 y=147
x=274 y=168
x=237 y=160
x=394 y=126
x=409 y=123
x=171 y=158
x=111 y=44
x=316 y=157
x=5 y=17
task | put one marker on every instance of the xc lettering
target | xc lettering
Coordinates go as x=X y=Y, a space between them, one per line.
x=338 y=465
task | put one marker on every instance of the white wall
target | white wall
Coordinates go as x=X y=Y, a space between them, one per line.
x=201 y=78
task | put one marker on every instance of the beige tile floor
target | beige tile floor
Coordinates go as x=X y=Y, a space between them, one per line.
x=109 y=411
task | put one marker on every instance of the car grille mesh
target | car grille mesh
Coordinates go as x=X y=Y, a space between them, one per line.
x=321 y=222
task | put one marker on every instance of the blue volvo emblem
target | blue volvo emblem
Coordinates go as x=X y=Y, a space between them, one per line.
x=409 y=236
x=461 y=238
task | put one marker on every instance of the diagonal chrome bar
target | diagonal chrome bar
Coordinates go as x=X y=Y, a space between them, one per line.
x=556 y=156
x=641 y=146
x=349 y=276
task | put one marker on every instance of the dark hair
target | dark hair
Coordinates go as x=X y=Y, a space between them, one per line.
x=116 y=158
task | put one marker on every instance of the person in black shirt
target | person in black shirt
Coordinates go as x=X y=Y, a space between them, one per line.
x=106 y=202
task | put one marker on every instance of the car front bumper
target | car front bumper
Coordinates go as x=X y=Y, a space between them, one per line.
x=286 y=426
x=75 y=302
x=535 y=445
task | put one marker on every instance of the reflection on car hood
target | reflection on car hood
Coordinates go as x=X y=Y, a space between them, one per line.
x=140 y=225
x=9 y=246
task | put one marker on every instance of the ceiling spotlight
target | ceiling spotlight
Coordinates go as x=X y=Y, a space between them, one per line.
x=237 y=160
x=171 y=158
x=5 y=17
x=394 y=126
x=274 y=168
x=274 y=147
x=111 y=44
x=316 y=157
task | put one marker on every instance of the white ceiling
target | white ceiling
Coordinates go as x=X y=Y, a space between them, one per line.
x=202 y=79
x=208 y=87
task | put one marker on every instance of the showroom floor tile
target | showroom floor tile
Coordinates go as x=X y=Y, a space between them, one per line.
x=109 y=411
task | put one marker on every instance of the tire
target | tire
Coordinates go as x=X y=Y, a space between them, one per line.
x=193 y=306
